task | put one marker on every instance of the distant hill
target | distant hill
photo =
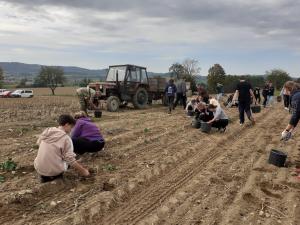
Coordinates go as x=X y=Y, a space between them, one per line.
x=22 y=70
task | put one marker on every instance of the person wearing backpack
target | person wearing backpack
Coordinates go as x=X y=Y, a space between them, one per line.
x=170 y=91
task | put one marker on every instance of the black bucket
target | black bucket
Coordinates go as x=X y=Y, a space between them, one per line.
x=205 y=127
x=98 y=114
x=190 y=113
x=196 y=123
x=277 y=158
x=279 y=98
x=255 y=109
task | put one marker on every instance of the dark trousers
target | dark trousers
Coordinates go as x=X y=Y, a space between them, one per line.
x=83 y=145
x=244 y=107
x=45 y=179
x=220 y=123
x=171 y=102
x=265 y=100
x=257 y=98
x=286 y=100
x=182 y=98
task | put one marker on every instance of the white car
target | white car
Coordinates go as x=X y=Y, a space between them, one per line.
x=22 y=94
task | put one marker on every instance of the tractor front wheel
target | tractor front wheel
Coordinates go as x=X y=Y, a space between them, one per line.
x=113 y=103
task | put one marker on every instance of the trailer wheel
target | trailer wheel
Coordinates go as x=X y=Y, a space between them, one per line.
x=113 y=103
x=140 y=99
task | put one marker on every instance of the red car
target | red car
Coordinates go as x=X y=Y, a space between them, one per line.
x=6 y=94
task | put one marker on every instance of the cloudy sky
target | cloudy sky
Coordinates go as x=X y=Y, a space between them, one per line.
x=244 y=36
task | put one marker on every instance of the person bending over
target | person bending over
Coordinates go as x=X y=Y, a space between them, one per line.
x=55 y=152
x=293 y=90
x=220 y=119
x=86 y=135
x=202 y=113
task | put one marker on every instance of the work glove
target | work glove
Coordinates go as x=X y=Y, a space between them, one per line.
x=286 y=135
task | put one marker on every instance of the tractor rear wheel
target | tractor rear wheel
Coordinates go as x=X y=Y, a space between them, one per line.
x=113 y=103
x=140 y=99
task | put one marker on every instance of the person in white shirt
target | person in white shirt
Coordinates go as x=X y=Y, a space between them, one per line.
x=220 y=119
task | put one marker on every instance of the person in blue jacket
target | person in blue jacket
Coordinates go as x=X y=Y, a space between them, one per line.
x=170 y=91
x=293 y=90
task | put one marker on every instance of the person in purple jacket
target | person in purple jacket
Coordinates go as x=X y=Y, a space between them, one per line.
x=86 y=136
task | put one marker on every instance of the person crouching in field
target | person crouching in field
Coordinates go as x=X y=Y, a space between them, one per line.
x=202 y=113
x=170 y=91
x=86 y=135
x=191 y=106
x=220 y=119
x=55 y=152
x=88 y=97
x=293 y=90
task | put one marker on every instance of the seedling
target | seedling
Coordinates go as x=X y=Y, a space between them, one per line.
x=109 y=167
x=2 y=179
x=146 y=130
x=9 y=165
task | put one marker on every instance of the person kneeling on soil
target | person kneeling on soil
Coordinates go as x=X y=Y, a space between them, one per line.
x=220 y=119
x=55 y=152
x=202 y=113
x=191 y=105
x=86 y=135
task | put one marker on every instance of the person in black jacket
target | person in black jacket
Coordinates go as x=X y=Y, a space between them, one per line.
x=293 y=90
x=243 y=93
x=270 y=94
x=170 y=91
x=265 y=92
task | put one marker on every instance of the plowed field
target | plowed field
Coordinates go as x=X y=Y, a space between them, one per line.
x=155 y=169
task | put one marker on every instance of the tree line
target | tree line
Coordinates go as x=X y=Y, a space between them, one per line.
x=189 y=69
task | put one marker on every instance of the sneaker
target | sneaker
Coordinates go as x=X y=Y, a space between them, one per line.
x=241 y=124
x=286 y=108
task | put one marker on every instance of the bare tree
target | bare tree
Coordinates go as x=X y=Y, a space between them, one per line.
x=191 y=67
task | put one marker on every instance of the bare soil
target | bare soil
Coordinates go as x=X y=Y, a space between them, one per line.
x=155 y=169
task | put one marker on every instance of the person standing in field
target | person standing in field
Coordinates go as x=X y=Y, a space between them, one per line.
x=170 y=92
x=286 y=98
x=265 y=94
x=88 y=97
x=292 y=89
x=243 y=94
x=56 y=151
x=181 y=93
x=203 y=94
x=220 y=91
x=270 y=94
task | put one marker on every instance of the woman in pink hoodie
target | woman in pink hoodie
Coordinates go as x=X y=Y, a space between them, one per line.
x=56 y=152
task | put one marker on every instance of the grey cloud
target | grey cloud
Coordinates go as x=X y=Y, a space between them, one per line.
x=261 y=16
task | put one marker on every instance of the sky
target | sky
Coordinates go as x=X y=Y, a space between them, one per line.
x=244 y=36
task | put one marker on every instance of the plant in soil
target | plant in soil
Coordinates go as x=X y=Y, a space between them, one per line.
x=8 y=165
x=2 y=179
x=109 y=167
